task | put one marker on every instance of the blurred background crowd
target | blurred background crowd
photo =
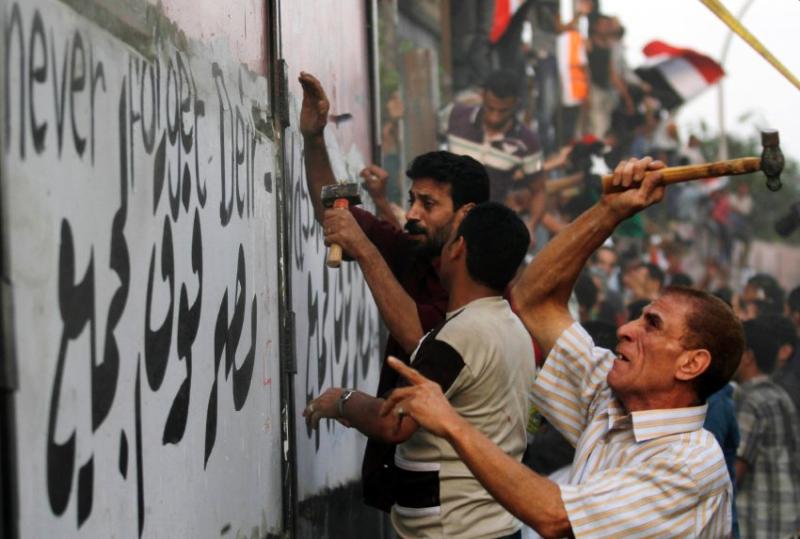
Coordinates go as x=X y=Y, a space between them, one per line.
x=542 y=94
x=540 y=91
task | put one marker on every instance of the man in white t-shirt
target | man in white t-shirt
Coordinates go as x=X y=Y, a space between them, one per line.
x=482 y=357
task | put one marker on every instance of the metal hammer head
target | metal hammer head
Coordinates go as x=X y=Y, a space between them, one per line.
x=335 y=191
x=772 y=159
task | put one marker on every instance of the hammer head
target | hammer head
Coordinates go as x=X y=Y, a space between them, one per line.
x=333 y=192
x=772 y=159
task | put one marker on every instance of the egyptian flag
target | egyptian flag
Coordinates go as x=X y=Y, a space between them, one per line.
x=504 y=11
x=677 y=75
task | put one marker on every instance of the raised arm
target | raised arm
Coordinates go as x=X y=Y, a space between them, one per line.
x=375 y=180
x=542 y=292
x=313 y=118
x=397 y=309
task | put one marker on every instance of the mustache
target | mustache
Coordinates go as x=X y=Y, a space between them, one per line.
x=413 y=227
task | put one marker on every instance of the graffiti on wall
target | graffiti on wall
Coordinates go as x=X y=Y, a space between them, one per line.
x=148 y=301
x=337 y=342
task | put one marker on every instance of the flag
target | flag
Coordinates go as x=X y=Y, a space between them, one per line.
x=503 y=12
x=677 y=75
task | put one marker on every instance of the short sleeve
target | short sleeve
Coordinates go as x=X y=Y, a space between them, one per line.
x=440 y=362
x=573 y=375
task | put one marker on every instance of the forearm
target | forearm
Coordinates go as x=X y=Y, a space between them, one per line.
x=553 y=162
x=362 y=412
x=543 y=290
x=553 y=272
x=530 y=497
x=397 y=309
x=384 y=210
x=318 y=170
x=538 y=203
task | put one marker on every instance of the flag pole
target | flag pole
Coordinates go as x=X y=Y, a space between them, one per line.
x=722 y=151
x=722 y=12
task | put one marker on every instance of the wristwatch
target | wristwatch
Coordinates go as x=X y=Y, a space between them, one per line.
x=343 y=398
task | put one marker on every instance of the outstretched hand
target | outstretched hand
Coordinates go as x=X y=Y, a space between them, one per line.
x=314 y=112
x=423 y=401
x=643 y=183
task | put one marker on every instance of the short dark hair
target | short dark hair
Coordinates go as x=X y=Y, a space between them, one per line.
x=762 y=343
x=681 y=279
x=725 y=294
x=774 y=295
x=781 y=328
x=586 y=291
x=793 y=301
x=654 y=272
x=503 y=83
x=711 y=324
x=468 y=179
x=497 y=241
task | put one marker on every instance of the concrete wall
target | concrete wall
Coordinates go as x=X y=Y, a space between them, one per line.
x=139 y=227
x=337 y=331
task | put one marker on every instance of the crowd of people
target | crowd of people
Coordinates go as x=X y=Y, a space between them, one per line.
x=599 y=391
x=550 y=106
x=627 y=380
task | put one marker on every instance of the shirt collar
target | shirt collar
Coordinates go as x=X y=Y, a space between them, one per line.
x=755 y=380
x=652 y=424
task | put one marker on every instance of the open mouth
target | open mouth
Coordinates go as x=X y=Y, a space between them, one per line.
x=621 y=357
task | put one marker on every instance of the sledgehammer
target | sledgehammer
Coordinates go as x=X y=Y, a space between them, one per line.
x=770 y=162
x=338 y=195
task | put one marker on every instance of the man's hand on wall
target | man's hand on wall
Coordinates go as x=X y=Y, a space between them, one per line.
x=324 y=406
x=314 y=112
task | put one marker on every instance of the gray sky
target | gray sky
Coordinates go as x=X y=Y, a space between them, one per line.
x=751 y=84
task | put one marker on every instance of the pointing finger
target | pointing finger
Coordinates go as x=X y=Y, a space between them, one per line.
x=410 y=374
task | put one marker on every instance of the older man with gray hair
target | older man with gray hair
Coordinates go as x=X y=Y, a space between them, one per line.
x=643 y=465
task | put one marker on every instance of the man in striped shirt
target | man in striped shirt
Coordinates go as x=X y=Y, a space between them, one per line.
x=768 y=458
x=644 y=466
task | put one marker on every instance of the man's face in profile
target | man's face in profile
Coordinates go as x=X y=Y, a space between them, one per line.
x=429 y=216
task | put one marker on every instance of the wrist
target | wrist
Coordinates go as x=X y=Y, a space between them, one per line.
x=365 y=251
x=314 y=138
x=611 y=213
x=455 y=429
x=344 y=396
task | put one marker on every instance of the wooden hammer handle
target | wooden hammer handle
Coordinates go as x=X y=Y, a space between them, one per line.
x=732 y=167
x=335 y=250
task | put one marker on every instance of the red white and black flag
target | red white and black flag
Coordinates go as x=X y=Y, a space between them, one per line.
x=677 y=75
